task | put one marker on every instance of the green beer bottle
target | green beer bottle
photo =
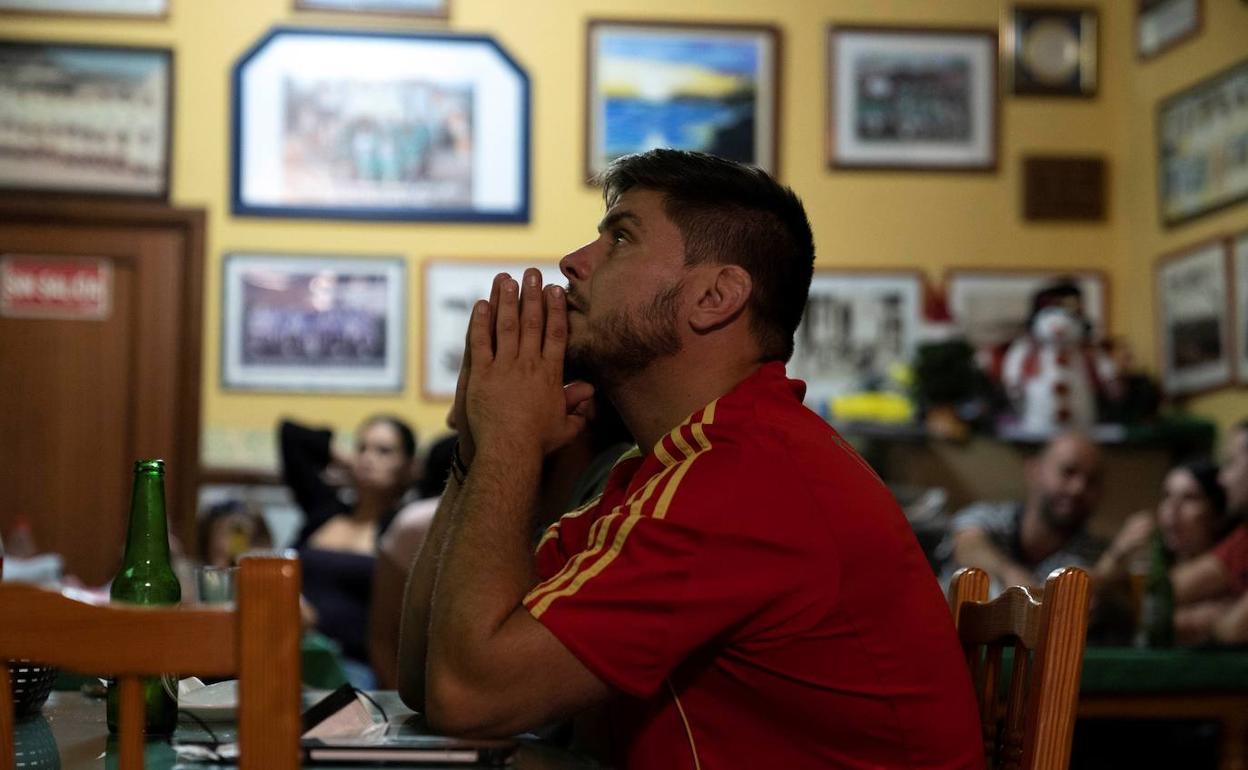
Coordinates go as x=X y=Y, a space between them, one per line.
x=147 y=577
x=1156 y=625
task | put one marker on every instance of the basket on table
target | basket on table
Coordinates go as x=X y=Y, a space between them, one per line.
x=31 y=682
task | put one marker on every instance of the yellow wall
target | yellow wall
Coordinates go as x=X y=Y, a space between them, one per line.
x=927 y=221
x=1141 y=239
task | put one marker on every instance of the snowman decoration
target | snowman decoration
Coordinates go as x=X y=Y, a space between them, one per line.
x=1053 y=373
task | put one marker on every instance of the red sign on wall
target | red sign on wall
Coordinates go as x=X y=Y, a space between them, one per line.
x=76 y=288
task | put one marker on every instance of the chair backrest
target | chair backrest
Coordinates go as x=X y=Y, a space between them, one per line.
x=258 y=641
x=1027 y=724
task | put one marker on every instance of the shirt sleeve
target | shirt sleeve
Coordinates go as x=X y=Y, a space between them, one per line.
x=661 y=574
x=305 y=455
x=1232 y=552
x=994 y=518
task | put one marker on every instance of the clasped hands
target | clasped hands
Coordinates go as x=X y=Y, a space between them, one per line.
x=510 y=396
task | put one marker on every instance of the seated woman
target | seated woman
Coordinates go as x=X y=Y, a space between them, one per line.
x=1191 y=518
x=337 y=544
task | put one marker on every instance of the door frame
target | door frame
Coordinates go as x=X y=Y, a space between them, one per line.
x=191 y=224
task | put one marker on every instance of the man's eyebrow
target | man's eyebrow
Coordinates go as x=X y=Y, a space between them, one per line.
x=615 y=217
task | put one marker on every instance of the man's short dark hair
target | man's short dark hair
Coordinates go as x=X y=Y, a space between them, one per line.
x=731 y=213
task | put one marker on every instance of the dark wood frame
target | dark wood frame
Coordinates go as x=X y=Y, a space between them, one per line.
x=423 y=347
x=1239 y=67
x=777 y=40
x=169 y=113
x=1089 y=50
x=402 y=324
x=192 y=223
x=162 y=16
x=445 y=13
x=1038 y=168
x=1141 y=55
x=1228 y=307
x=994 y=139
x=523 y=137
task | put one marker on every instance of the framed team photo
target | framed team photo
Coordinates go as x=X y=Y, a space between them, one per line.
x=380 y=125
x=309 y=323
x=912 y=98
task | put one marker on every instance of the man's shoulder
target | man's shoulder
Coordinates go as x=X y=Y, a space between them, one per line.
x=987 y=514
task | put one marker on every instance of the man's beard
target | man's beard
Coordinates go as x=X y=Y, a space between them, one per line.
x=1068 y=524
x=627 y=342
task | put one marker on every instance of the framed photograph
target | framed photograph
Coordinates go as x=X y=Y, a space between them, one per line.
x=1193 y=324
x=912 y=98
x=380 y=125
x=434 y=8
x=85 y=119
x=992 y=307
x=312 y=323
x=1202 y=152
x=451 y=289
x=1162 y=24
x=1240 y=316
x=711 y=88
x=154 y=9
x=1052 y=51
x=857 y=324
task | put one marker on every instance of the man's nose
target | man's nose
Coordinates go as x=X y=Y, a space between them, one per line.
x=576 y=264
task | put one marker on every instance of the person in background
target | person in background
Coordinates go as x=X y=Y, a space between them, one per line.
x=1191 y=518
x=1211 y=590
x=337 y=544
x=1019 y=542
x=229 y=529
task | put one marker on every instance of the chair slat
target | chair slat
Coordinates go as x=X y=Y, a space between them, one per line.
x=1030 y=727
x=259 y=642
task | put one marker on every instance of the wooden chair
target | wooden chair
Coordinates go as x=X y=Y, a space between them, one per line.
x=259 y=641
x=1030 y=726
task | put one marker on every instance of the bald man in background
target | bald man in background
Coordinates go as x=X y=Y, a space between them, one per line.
x=1021 y=542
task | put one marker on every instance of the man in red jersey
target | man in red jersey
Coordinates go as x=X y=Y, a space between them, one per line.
x=746 y=592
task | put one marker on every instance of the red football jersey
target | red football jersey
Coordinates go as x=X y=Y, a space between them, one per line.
x=754 y=592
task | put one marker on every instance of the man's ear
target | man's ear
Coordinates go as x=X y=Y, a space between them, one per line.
x=723 y=295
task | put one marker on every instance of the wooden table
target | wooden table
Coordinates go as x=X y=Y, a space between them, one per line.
x=1204 y=684
x=71 y=733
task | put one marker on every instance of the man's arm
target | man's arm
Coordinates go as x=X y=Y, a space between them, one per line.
x=973 y=547
x=414 y=628
x=493 y=669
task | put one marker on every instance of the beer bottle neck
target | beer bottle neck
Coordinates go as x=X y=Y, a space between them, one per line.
x=148 y=536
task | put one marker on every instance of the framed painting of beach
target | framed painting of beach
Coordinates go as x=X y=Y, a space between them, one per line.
x=711 y=88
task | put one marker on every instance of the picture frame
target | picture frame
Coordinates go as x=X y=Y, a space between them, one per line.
x=1239 y=316
x=451 y=287
x=342 y=124
x=143 y=9
x=69 y=135
x=1052 y=50
x=709 y=87
x=435 y=9
x=1193 y=301
x=992 y=306
x=876 y=74
x=1202 y=146
x=1163 y=24
x=313 y=323
x=857 y=324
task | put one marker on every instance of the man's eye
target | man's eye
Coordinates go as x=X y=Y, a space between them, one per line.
x=618 y=236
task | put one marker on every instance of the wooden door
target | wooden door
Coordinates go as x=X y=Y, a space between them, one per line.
x=82 y=398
